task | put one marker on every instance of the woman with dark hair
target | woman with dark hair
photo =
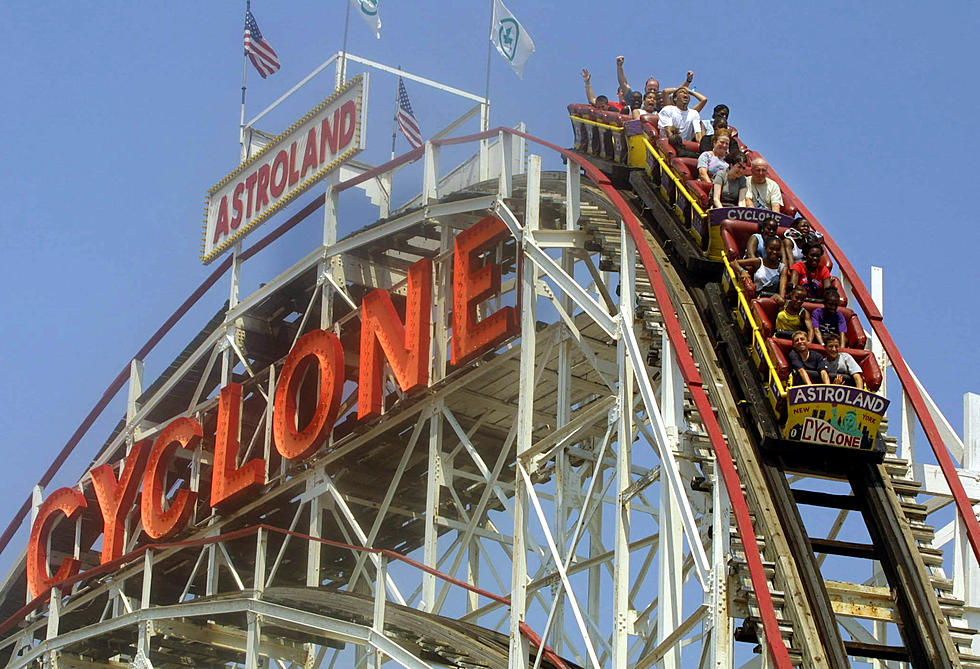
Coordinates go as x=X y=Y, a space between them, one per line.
x=728 y=186
x=769 y=273
x=796 y=238
x=647 y=106
x=768 y=229
x=713 y=161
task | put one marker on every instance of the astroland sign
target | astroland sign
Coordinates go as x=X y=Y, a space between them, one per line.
x=834 y=415
x=311 y=148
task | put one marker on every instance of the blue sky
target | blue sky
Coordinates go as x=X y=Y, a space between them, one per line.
x=119 y=116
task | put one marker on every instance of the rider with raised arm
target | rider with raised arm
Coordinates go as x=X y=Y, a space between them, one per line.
x=687 y=121
x=600 y=102
x=653 y=85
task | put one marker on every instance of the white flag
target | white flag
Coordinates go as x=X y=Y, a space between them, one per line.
x=368 y=9
x=508 y=35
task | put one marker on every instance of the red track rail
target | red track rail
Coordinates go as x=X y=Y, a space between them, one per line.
x=963 y=506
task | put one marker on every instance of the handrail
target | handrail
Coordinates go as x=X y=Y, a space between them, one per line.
x=963 y=506
x=678 y=183
x=756 y=330
x=674 y=177
x=131 y=557
x=590 y=121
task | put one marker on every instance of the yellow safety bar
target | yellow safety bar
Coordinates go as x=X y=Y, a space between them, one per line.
x=673 y=177
x=756 y=332
x=601 y=125
x=757 y=338
x=660 y=159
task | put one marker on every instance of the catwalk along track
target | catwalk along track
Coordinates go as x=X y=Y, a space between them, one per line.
x=526 y=419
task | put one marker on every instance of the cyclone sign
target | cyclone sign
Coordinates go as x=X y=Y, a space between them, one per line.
x=388 y=345
x=834 y=415
x=315 y=145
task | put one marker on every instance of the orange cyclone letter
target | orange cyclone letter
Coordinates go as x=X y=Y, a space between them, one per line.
x=116 y=497
x=473 y=285
x=159 y=523
x=70 y=502
x=406 y=347
x=323 y=349
x=228 y=481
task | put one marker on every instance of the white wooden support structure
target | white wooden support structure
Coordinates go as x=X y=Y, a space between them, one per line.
x=670 y=605
x=314 y=552
x=622 y=612
x=721 y=625
x=253 y=641
x=519 y=650
x=135 y=389
x=379 y=608
x=878 y=295
x=966 y=573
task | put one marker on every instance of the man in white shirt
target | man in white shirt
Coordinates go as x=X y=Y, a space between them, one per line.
x=763 y=192
x=687 y=121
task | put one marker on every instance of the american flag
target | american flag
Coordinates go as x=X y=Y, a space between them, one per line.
x=405 y=117
x=260 y=52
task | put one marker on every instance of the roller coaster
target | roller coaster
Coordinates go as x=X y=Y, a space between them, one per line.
x=528 y=418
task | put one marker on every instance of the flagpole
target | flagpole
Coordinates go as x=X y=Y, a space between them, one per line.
x=486 y=90
x=394 y=117
x=241 y=121
x=343 y=52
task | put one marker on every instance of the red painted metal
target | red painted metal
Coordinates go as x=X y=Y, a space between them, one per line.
x=963 y=506
x=320 y=349
x=229 y=482
x=116 y=497
x=158 y=522
x=473 y=284
x=67 y=501
x=384 y=337
x=372 y=173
